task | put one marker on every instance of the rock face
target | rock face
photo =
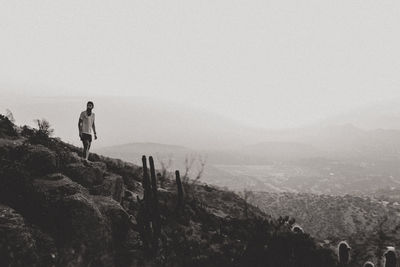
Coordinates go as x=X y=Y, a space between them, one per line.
x=113 y=186
x=86 y=226
x=86 y=236
x=92 y=174
x=17 y=245
x=40 y=160
x=88 y=230
x=22 y=245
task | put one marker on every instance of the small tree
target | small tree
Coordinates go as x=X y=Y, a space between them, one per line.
x=7 y=128
x=189 y=164
x=44 y=127
x=42 y=134
x=165 y=174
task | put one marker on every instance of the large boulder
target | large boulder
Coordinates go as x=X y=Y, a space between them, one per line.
x=90 y=229
x=40 y=160
x=55 y=187
x=112 y=186
x=68 y=157
x=17 y=245
x=120 y=223
x=131 y=173
x=86 y=174
x=115 y=215
x=85 y=234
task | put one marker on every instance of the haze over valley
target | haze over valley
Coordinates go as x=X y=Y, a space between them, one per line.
x=333 y=156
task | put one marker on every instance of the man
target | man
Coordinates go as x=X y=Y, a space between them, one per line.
x=85 y=125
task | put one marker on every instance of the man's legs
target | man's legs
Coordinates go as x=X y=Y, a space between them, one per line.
x=87 y=149
x=86 y=140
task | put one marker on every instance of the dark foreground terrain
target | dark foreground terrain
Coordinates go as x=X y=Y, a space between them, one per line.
x=368 y=223
x=57 y=210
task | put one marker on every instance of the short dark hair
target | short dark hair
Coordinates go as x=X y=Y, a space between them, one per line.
x=90 y=102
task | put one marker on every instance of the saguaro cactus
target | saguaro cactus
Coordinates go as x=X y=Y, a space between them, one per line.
x=180 y=189
x=144 y=216
x=390 y=257
x=146 y=184
x=344 y=253
x=149 y=215
x=155 y=211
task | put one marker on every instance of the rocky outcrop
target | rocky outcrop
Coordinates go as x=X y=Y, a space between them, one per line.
x=86 y=174
x=40 y=160
x=112 y=186
x=17 y=245
x=22 y=245
x=88 y=230
x=86 y=226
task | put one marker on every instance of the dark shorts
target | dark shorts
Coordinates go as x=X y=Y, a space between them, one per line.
x=86 y=137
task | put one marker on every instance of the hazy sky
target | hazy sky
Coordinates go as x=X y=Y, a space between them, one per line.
x=267 y=63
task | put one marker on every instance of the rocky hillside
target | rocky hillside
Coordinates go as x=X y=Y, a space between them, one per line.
x=58 y=210
x=369 y=224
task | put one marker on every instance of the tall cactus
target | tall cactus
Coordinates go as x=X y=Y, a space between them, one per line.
x=155 y=211
x=146 y=184
x=344 y=253
x=390 y=257
x=144 y=215
x=180 y=190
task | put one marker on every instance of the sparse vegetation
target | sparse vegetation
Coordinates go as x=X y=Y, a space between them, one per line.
x=195 y=166
x=7 y=128
x=247 y=195
x=42 y=134
x=111 y=213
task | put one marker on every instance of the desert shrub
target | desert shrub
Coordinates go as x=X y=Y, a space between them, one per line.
x=269 y=245
x=42 y=134
x=242 y=242
x=7 y=128
x=44 y=127
x=27 y=131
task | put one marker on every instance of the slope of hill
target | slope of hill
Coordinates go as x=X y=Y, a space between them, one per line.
x=58 y=210
x=368 y=224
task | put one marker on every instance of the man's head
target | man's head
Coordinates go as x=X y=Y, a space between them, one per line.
x=89 y=106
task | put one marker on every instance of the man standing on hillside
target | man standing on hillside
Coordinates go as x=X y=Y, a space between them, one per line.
x=85 y=125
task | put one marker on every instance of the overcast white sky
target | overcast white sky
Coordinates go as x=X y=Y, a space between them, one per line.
x=267 y=63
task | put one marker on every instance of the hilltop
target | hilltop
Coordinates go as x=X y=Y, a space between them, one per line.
x=58 y=210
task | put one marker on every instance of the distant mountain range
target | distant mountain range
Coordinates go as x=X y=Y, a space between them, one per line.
x=141 y=120
x=344 y=141
x=336 y=160
x=383 y=115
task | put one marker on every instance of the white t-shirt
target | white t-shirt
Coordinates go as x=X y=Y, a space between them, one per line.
x=87 y=122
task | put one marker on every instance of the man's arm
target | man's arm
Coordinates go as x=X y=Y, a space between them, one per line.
x=94 y=130
x=80 y=124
